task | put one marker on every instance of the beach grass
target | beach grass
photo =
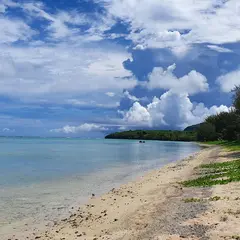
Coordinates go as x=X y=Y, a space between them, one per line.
x=236 y=237
x=230 y=146
x=196 y=200
x=192 y=200
x=216 y=173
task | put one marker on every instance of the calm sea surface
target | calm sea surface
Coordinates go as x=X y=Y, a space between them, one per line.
x=40 y=179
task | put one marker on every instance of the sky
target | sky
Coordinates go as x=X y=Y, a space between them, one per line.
x=85 y=68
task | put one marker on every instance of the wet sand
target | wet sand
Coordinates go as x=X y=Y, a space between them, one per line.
x=153 y=207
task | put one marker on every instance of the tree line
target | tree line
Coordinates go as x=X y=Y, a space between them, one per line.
x=223 y=126
x=155 y=135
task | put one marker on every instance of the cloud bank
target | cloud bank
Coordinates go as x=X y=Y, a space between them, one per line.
x=174 y=108
x=86 y=127
x=171 y=110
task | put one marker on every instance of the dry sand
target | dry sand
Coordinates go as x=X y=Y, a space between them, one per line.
x=153 y=207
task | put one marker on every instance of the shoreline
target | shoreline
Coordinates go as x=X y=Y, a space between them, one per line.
x=138 y=209
x=34 y=229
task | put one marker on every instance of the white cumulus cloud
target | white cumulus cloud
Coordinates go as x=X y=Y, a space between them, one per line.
x=63 y=69
x=86 y=127
x=2 y=8
x=228 y=81
x=219 y=49
x=8 y=130
x=193 y=82
x=161 y=24
x=110 y=94
x=137 y=115
x=172 y=110
x=129 y=96
x=14 y=30
x=65 y=60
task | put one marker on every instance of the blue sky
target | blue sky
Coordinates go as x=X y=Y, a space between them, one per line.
x=84 y=68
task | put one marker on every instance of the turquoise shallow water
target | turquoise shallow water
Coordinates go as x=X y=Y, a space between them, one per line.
x=38 y=176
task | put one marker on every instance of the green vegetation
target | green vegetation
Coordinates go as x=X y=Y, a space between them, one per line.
x=206 y=132
x=216 y=173
x=155 y=135
x=216 y=198
x=236 y=237
x=193 y=127
x=190 y=200
x=230 y=146
x=231 y=212
x=224 y=126
x=195 y=200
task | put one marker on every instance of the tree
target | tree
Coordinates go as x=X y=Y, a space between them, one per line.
x=232 y=129
x=219 y=120
x=226 y=124
x=236 y=99
x=206 y=132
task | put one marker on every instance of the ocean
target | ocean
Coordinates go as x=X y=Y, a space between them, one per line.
x=42 y=178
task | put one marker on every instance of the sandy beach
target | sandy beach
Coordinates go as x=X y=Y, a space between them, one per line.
x=154 y=207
